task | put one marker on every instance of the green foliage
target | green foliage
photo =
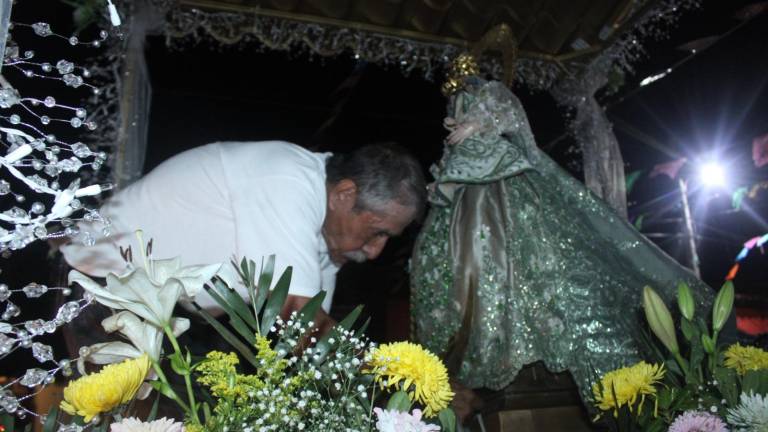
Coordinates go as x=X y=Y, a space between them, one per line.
x=299 y=381
x=399 y=401
x=447 y=420
x=697 y=377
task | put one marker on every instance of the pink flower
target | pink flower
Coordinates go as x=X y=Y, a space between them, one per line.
x=398 y=421
x=131 y=424
x=697 y=421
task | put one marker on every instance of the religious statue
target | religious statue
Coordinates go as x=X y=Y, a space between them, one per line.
x=518 y=262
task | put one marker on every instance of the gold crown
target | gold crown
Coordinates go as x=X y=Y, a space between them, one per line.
x=462 y=66
x=501 y=39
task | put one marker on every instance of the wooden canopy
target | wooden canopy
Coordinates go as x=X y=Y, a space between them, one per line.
x=561 y=31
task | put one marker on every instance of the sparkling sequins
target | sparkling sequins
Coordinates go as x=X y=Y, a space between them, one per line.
x=559 y=282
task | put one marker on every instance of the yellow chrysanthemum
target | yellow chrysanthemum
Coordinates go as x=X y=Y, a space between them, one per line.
x=623 y=386
x=409 y=367
x=100 y=392
x=745 y=358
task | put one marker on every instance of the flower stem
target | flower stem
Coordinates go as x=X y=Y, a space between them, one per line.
x=681 y=361
x=164 y=380
x=713 y=356
x=187 y=377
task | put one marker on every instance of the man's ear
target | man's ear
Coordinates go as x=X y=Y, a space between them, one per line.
x=342 y=195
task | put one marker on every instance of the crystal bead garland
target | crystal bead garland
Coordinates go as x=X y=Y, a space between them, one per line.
x=41 y=190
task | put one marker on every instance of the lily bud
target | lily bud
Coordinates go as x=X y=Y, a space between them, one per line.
x=723 y=306
x=707 y=343
x=659 y=319
x=685 y=300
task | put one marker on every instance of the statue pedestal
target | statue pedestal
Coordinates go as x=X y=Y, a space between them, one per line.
x=537 y=400
x=565 y=419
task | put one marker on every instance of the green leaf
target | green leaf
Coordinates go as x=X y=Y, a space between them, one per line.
x=236 y=303
x=682 y=397
x=323 y=346
x=349 y=320
x=399 y=401
x=308 y=312
x=178 y=364
x=251 y=273
x=359 y=332
x=153 y=411
x=50 y=419
x=236 y=322
x=727 y=383
x=657 y=425
x=755 y=381
x=206 y=411
x=447 y=420
x=689 y=329
x=265 y=281
x=7 y=421
x=364 y=402
x=664 y=398
x=242 y=329
x=697 y=356
x=229 y=337
x=248 y=276
x=276 y=300
x=164 y=389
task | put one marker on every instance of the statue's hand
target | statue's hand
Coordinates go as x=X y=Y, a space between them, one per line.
x=461 y=132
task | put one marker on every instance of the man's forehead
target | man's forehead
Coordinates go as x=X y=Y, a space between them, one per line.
x=395 y=218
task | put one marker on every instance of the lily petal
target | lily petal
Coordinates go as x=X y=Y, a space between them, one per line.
x=167 y=297
x=179 y=325
x=140 y=296
x=100 y=294
x=164 y=269
x=194 y=277
x=107 y=353
x=144 y=336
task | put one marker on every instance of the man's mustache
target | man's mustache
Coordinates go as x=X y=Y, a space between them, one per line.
x=356 y=256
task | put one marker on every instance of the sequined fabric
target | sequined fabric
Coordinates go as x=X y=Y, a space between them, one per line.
x=518 y=262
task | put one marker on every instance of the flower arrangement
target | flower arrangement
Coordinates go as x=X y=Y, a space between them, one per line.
x=698 y=385
x=280 y=375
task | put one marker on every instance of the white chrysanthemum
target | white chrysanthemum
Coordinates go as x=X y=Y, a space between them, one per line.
x=396 y=421
x=132 y=424
x=751 y=415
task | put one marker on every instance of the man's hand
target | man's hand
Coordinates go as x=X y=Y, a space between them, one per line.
x=323 y=322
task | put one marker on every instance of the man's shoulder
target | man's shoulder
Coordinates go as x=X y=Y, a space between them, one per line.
x=273 y=158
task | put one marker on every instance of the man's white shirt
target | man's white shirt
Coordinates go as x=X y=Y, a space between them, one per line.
x=219 y=201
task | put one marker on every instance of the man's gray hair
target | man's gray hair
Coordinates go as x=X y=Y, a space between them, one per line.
x=382 y=173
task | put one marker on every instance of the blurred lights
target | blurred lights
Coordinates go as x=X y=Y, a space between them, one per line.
x=712 y=174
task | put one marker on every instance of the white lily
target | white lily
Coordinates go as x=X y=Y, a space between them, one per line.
x=143 y=337
x=150 y=294
x=134 y=292
x=192 y=278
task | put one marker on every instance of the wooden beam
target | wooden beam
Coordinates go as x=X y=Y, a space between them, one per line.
x=372 y=28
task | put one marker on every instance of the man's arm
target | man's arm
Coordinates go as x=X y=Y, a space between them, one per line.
x=323 y=322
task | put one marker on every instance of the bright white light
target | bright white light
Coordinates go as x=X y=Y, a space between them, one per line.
x=712 y=174
x=652 y=78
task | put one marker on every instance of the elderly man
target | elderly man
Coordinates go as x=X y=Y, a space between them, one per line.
x=312 y=211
